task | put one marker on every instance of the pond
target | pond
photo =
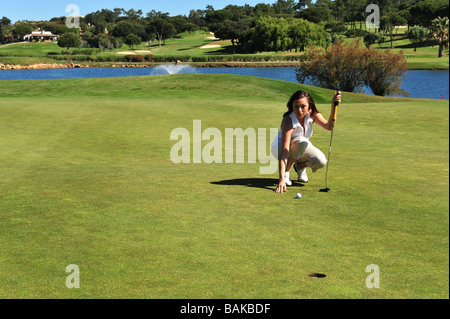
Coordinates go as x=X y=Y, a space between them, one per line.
x=433 y=84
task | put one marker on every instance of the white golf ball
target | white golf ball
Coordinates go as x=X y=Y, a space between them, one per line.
x=298 y=195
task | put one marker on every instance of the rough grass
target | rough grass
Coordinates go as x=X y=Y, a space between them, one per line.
x=86 y=178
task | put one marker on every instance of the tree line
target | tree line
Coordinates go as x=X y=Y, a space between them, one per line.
x=286 y=25
x=283 y=25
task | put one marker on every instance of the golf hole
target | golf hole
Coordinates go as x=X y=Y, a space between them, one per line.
x=317 y=275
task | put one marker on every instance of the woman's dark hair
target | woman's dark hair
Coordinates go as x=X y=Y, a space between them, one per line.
x=298 y=95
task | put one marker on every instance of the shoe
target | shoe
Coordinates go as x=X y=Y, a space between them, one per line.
x=302 y=177
x=287 y=179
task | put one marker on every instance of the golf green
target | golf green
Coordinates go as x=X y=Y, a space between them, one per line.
x=87 y=179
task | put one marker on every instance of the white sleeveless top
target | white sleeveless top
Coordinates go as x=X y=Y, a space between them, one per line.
x=299 y=133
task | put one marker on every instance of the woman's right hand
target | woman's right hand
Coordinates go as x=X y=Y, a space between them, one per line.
x=281 y=188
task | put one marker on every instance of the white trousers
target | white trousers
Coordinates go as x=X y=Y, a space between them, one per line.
x=303 y=152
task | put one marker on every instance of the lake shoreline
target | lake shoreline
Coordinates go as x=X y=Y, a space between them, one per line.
x=70 y=65
x=419 y=83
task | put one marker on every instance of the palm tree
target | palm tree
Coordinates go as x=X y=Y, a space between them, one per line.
x=440 y=31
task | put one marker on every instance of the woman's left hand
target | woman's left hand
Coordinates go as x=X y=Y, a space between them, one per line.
x=336 y=98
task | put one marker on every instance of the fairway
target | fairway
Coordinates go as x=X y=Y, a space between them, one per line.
x=196 y=48
x=86 y=178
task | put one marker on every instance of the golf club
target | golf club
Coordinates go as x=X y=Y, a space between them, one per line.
x=326 y=189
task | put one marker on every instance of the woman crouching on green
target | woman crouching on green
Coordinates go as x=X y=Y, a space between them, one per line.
x=292 y=145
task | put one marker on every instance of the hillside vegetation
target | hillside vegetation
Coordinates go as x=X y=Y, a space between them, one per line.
x=196 y=48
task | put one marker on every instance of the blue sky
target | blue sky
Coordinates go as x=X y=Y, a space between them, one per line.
x=17 y=10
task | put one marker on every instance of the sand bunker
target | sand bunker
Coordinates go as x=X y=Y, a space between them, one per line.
x=210 y=46
x=212 y=38
x=133 y=52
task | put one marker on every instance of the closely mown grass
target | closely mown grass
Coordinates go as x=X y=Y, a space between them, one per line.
x=86 y=178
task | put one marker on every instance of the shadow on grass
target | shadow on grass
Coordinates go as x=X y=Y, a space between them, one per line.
x=266 y=183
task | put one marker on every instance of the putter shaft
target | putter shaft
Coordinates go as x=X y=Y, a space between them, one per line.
x=326 y=189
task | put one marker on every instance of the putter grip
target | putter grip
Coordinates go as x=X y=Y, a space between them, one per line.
x=335 y=106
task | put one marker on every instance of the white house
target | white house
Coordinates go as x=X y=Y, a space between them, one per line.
x=41 y=36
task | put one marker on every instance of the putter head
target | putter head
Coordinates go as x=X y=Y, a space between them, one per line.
x=324 y=190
